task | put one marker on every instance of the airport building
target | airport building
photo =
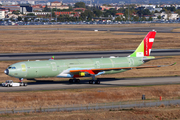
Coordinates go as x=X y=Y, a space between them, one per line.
x=2 y=14
x=25 y=8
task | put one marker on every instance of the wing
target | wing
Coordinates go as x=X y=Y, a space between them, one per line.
x=97 y=70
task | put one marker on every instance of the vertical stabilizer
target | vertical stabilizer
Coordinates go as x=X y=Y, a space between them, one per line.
x=144 y=49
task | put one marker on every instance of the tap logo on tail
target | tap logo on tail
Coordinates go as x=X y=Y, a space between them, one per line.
x=144 y=49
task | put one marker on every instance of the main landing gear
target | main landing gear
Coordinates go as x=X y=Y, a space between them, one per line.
x=94 y=81
x=74 y=80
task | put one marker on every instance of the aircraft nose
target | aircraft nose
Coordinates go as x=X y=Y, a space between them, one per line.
x=6 y=71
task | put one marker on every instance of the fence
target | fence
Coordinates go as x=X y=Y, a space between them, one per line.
x=119 y=105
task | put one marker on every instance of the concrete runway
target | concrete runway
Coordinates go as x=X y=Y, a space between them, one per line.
x=108 y=82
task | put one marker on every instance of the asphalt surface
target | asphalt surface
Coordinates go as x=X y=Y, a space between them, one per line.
x=105 y=82
x=75 y=55
x=99 y=28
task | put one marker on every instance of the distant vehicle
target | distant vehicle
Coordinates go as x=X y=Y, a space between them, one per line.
x=10 y=83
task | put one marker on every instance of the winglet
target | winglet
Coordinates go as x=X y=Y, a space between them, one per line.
x=173 y=64
x=52 y=58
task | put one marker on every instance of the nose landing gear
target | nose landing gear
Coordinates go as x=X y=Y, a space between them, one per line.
x=21 y=82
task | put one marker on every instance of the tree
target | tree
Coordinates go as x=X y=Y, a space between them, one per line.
x=150 y=18
x=168 y=12
x=159 y=17
x=46 y=9
x=30 y=14
x=143 y=12
x=178 y=11
x=119 y=18
x=136 y=18
x=110 y=12
x=19 y=18
x=97 y=12
x=70 y=7
x=17 y=12
x=143 y=18
x=87 y=15
x=26 y=19
x=127 y=14
x=146 y=12
x=121 y=10
x=156 y=11
x=80 y=5
x=53 y=14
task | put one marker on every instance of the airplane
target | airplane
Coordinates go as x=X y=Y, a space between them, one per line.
x=76 y=68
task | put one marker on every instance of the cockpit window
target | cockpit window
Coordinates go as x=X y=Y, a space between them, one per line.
x=11 y=67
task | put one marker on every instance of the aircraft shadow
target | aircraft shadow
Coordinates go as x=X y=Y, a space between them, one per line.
x=38 y=82
x=104 y=81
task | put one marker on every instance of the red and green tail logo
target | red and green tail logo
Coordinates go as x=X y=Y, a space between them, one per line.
x=144 y=49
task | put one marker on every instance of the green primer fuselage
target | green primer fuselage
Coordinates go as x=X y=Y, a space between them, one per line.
x=60 y=68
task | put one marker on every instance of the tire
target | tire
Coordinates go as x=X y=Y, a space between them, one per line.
x=70 y=80
x=77 y=81
x=97 y=82
x=90 y=82
x=25 y=84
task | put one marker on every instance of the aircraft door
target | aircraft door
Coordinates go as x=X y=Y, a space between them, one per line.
x=24 y=69
x=54 y=67
x=97 y=64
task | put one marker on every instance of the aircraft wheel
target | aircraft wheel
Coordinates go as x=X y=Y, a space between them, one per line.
x=70 y=81
x=25 y=84
x=97 y=82
x=77 y=81
x=90 y=82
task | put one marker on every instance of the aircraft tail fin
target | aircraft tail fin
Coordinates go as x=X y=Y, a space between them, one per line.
x=144 y=49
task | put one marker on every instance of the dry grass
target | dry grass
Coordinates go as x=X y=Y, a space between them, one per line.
x=154 y=113
x=22 y=41
x=38 y=99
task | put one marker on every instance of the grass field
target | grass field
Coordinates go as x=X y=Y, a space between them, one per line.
x=37 y=99
x=22 y=41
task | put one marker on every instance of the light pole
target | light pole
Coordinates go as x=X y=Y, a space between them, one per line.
x=51 y=13
x=56 y=13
